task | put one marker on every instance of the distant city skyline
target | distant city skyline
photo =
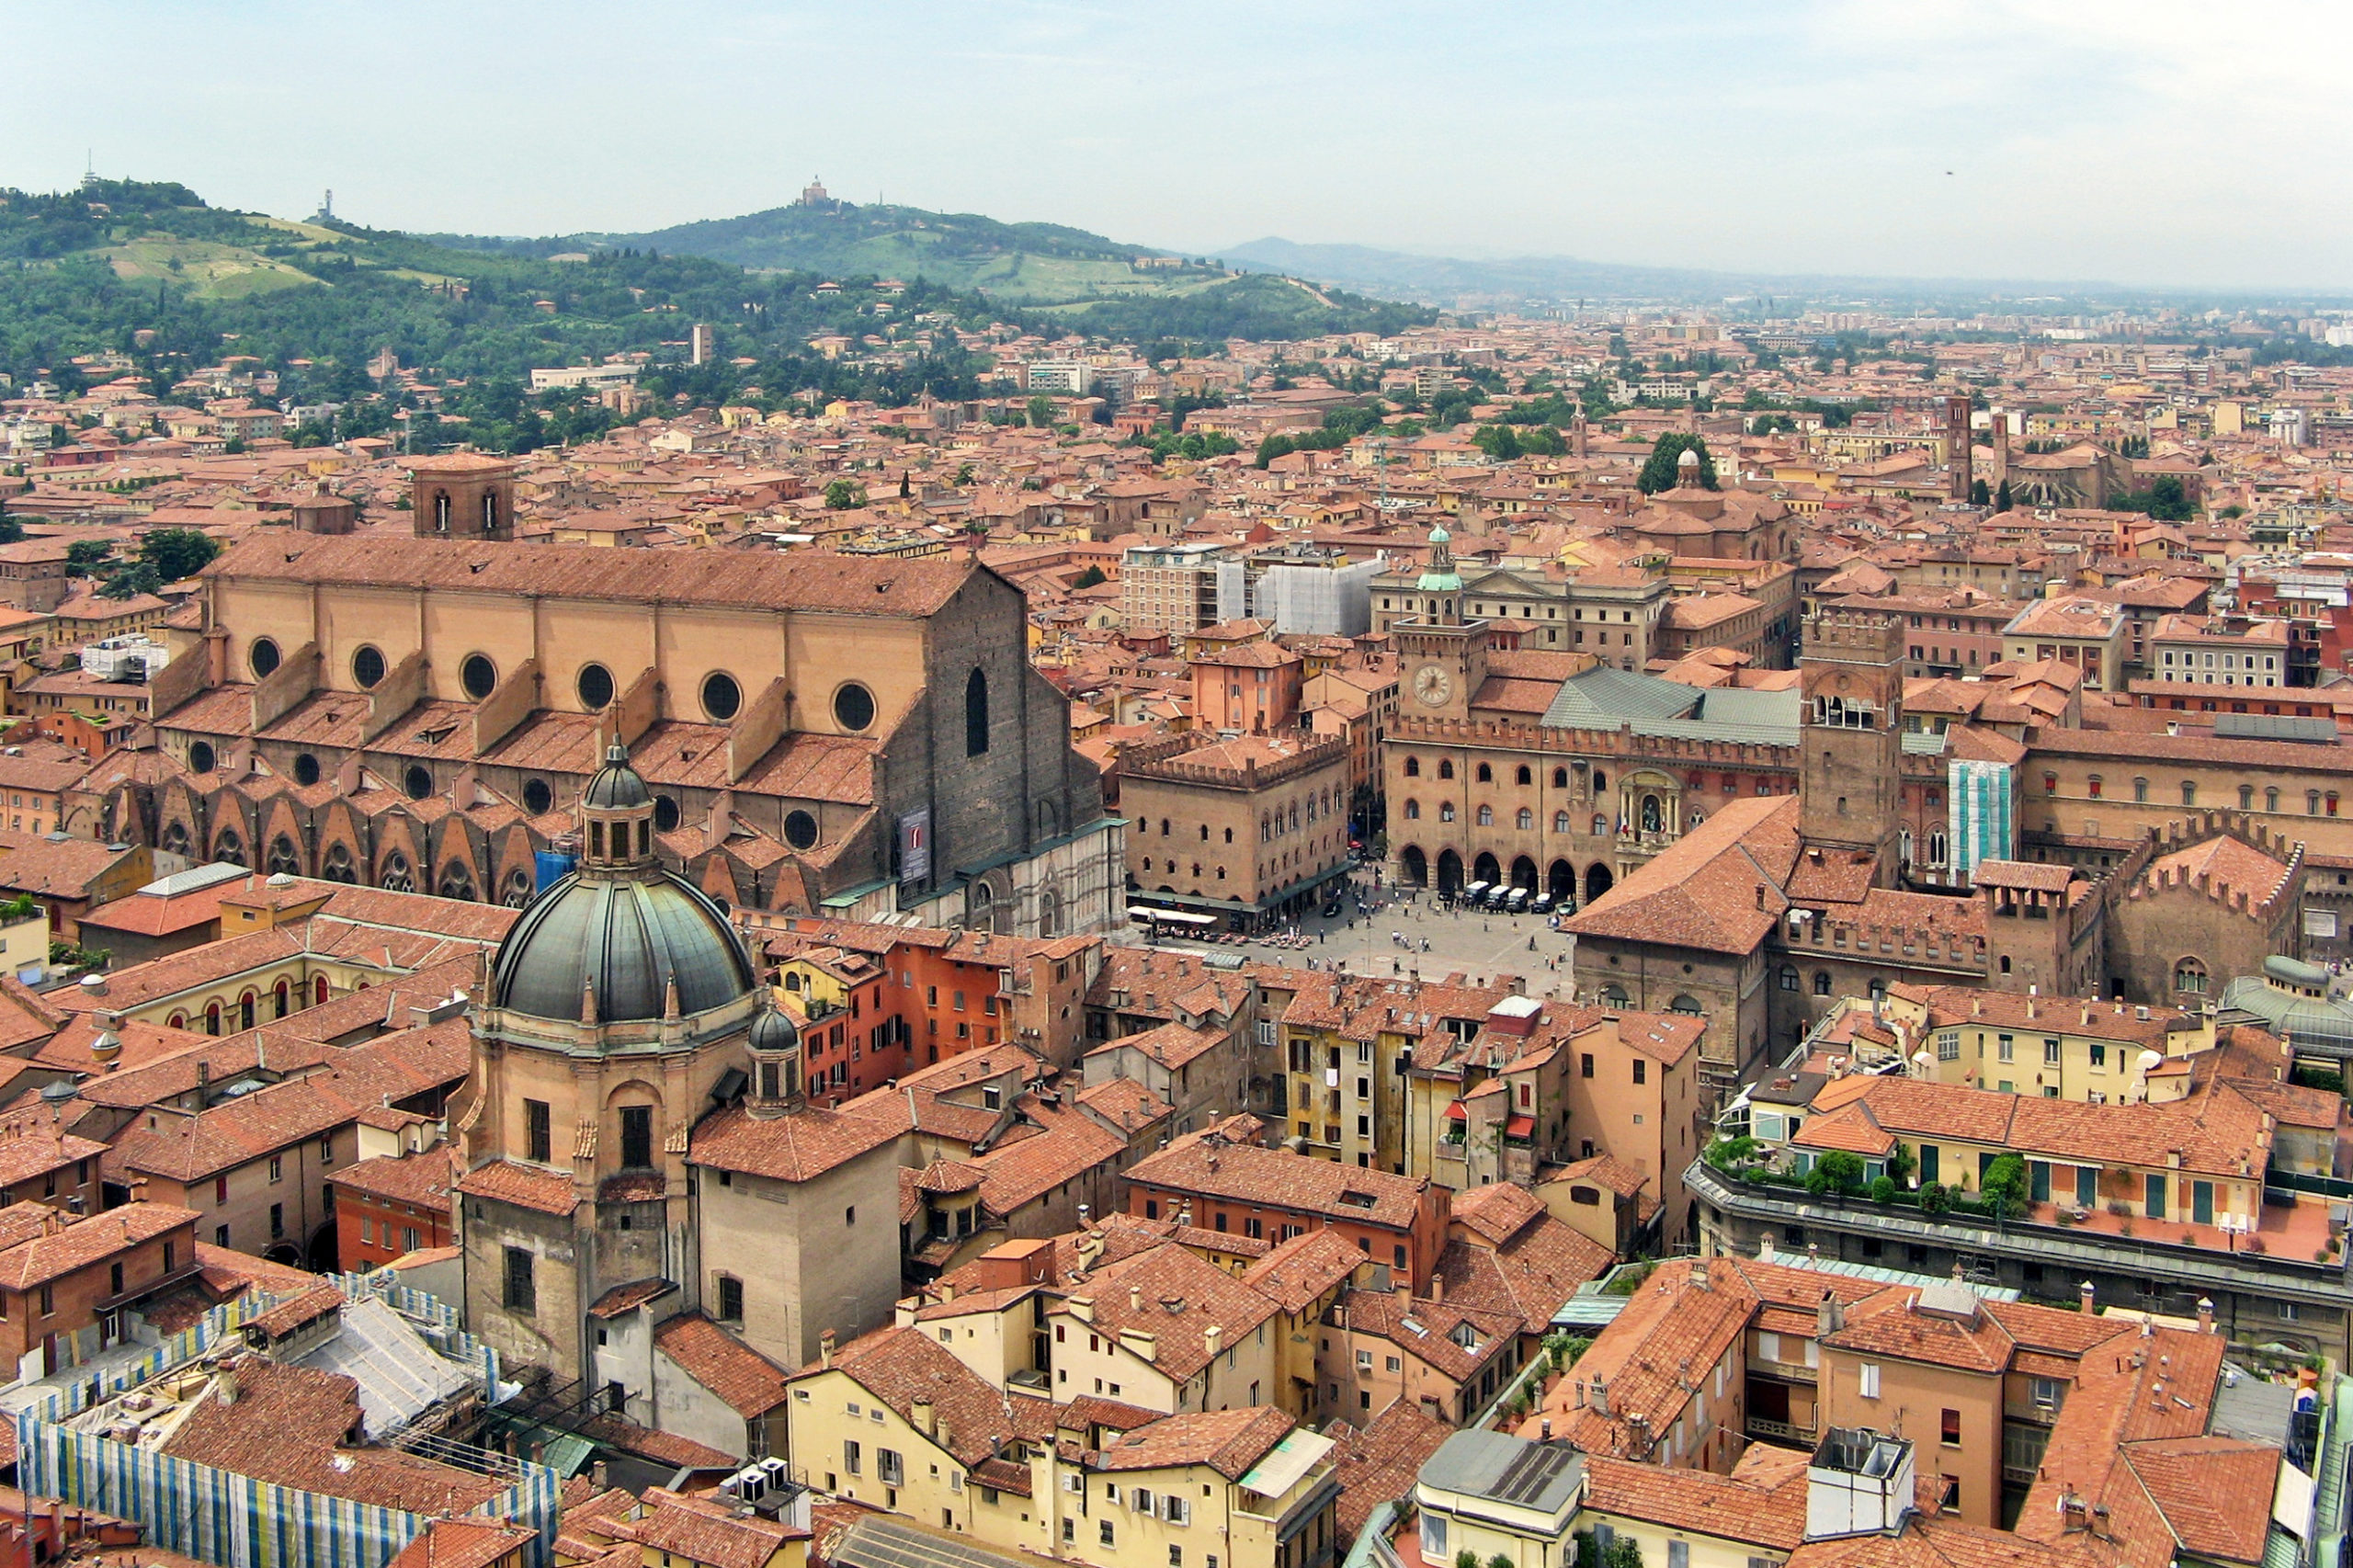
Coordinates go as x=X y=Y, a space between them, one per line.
x=2149 y=143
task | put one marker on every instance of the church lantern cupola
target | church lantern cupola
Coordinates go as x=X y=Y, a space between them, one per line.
x=775 y=1046
x=617 y=816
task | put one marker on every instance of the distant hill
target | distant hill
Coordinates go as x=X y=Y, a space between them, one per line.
x=1456 y=282
x=1093 y=283
x=1449 y=281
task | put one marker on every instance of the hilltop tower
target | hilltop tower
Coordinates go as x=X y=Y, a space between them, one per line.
x=1851 y=736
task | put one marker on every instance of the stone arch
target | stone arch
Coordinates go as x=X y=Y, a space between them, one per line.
x=1486 y=868
x=1449 y=872
x=1598 y=881
x=1414 y=866
x=1561 y=881
x=396 y=874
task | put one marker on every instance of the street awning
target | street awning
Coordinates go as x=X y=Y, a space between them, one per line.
x=1455 y=1112
x=1520 y=1127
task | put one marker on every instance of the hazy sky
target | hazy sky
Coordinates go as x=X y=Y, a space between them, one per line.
x=2144 y=141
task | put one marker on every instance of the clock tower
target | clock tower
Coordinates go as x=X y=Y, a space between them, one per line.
x=1443 y=658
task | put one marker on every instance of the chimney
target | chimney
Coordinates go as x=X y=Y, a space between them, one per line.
x=920 y=1413
x=1546 y=1429
x=825 y=1350
x=2084 y=1296
x=1600 y=1397
x=1438 y=1287
x=1213 y=1338
x=2205 y=1315
x=1135 y=1298
x=224 y=1387
x=1699 y=1274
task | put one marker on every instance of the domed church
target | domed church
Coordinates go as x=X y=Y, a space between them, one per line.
x=621 y=1009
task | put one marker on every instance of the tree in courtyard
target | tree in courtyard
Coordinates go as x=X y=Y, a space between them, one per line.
x=1660 y=470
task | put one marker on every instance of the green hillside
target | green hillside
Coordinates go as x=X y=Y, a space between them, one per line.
x=1080 y=279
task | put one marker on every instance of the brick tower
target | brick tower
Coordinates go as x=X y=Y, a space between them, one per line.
x=462 y=495
x=1850 y=773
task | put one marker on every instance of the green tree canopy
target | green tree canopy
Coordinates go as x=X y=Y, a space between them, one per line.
x=1836 y=1171
x=85 y=556
x=843 y=495
x=176 y=554
x=1661 y=469
x=1041 y=409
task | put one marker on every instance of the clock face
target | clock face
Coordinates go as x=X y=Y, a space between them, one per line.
x=1431 y=686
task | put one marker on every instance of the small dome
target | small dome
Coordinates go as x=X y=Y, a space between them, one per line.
x=1439 y=536
x=616 y=786
x=772 y=1032
x=1690 y=457
x=630 y=936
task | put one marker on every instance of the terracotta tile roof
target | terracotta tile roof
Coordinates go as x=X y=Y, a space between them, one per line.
x=748 y=1382
x=905 y=1368
x=62 y=1245
x=1701 y=891
x=1457 y=1341
x=526 y=1187
x=623 y=1298
x=1207 y=1165
x=1176 y=1297
x=289 y=1424
x=1380 y=1463
x=421 y=1180
x=707 y=1533
x=732 y=579
x=460 y=1543
x=1300 y=1270
x=800 y=1146
x=1765 y=1508
x=1530 y=1273
x=1228 y=1441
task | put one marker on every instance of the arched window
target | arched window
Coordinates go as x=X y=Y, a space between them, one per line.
x=517 y=889
x=338 y=867
x=976 y=714
x=1229 y=835
x=1527 y=818
x=1413 y=768
x=1600 y=825
x=1486 y=816
x=246 y=1010
x=1684 y=1004
x=2092 y=786
x=1524 y=775
x=2190 y=977
x=1613 y=996
x=213 y=1018
x=397 y=877
x=1487 y=774
x=1164 y=827
x=282 y=998
x=319 y=991
x=283 y=857
x=1412 y=811
x=2271 y=799
x=1559 y=778
x=1600 y=781
x=2246 y=797
x=1560 y=821
x=1822 y=982
x=1446 y=767
x=1788 y=977
x=2189 y=792
x=1446 y=811
x=229 y=849
x=2140 y=792
x=457 y=881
